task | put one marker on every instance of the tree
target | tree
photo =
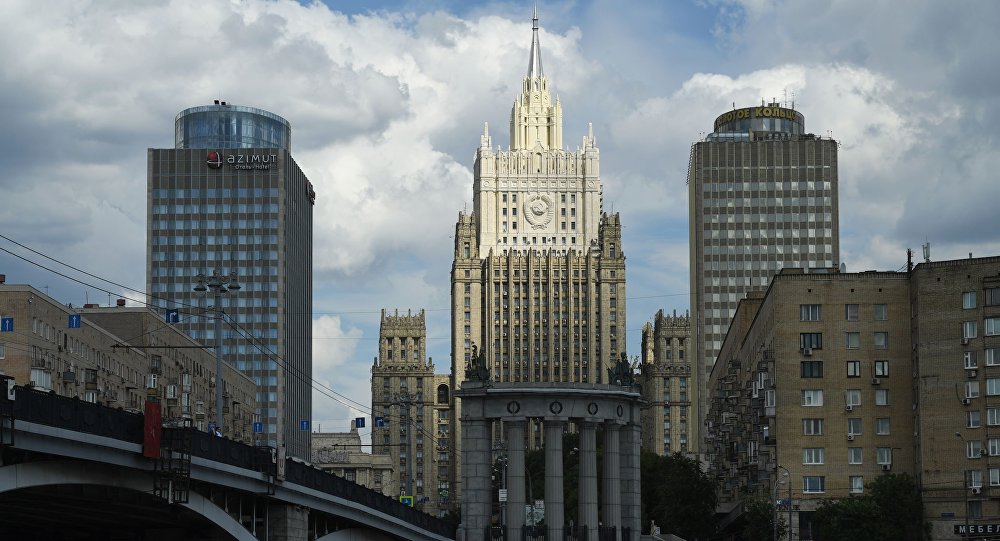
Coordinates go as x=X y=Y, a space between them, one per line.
x=678 y=495
x=891 y=510
x=760 y=514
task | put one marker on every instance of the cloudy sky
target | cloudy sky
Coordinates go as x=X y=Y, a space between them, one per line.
x=387 y=101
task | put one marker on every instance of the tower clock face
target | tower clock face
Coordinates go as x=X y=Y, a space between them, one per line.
x=538 y=210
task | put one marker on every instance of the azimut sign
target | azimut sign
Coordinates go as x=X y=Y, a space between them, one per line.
x=215 y=159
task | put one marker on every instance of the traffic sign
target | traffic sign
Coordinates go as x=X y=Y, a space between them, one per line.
x=406 y=500
x=304 y=424
x=173 y=316
x=258 y=427
x=7 y=324
x=380 y=422
x=359 y=422
x=73 y=322
x=503 y=494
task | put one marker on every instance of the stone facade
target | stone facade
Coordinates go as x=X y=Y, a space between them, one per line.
x=119 y=356
x=413 y=405
x=538 y=280
x=667 y=389
x=341 y=453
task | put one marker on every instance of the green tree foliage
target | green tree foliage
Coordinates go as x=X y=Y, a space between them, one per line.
x=678 y=496
x=759 y=514
x=890 y=510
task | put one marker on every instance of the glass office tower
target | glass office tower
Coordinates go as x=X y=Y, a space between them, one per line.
x=230 y=199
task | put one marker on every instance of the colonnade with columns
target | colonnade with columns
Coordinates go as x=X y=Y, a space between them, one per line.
x=555 y=406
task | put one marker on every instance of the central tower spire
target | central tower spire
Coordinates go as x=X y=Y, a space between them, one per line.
x=535 y=61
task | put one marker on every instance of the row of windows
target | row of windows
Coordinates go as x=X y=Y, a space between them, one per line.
x=992 y=388
x=814 y=340
x=852 y=397
x=814 y=312
x=750 y=234
x=770 y=249
x=185 y=287
x=174 y=225
x=562 y=198
x=212 y=240
x=770 y=202
x=801 y=185
x=992 y=295
x=201 y=193
x=534 y=240
x=812 y=456
x=991 y=357
x=991 y=327
x=221 y=208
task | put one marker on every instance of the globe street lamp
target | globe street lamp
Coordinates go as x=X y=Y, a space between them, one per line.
x=219 y=287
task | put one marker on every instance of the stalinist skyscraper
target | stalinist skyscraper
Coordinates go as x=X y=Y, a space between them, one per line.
x=538 y=281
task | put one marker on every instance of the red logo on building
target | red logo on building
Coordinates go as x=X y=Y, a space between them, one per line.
x=214 y=160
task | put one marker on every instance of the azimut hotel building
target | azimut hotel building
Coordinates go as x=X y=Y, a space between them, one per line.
x=229 y=200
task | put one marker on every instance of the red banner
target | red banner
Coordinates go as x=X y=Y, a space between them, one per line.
x=152 y=430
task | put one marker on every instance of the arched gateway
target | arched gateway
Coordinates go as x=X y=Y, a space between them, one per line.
x=555 y=405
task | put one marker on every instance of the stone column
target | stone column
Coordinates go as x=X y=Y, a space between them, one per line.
x=515 y=477
x=611 y=508
x=476 y=497
x=554 y=496
x=631 y=480
x=286 y=522
x=587 y=509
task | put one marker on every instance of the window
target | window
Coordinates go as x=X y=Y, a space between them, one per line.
x=851 y=312
x=853 y=397
x=973 y=449
x=813 y=484
x=993 y=386
x=3 y=350
x=881 y=369
x=991 y=326
x=993 y=445
x=994 y=477
x=992 y=296
x=969 y=300
x=991 y=357
x=973 y=419
x=812 y=369
x=811 y=340
x=883 y=455
x=882 y=426
x=880 y=311
x=968 y=329
x=857 y=484
x=813 y=455
x=971 y=360
x=854 y=369
x=975 y=508
x=854 y=455
x=809 y=312
x=993 y=416
x=881 y=397
x=812 y=427
x=854 y=426
x=975 y=478
x=812 y=397
x=853 y=340
x=881 y=340
x=971 y=389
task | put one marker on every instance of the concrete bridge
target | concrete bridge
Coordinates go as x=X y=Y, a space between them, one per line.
x=70 y=469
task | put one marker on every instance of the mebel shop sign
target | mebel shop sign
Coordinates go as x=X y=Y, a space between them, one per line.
x=977 y=529
x=214 y=160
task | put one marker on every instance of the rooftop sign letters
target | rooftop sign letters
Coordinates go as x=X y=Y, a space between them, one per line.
x=747 y=113
x=214 y=160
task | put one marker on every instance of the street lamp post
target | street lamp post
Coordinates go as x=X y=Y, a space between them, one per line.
x=218 y=286
x=774 y=521
x=965 y=484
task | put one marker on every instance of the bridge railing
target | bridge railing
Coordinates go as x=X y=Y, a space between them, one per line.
x=329 y=483
x=48 y=408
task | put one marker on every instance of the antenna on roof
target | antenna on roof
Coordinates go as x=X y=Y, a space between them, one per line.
x=927 y=252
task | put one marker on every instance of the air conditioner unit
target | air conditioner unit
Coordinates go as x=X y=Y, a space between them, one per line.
x=965 y=341
x=807 y=352
x=886 y=467
x=876 y=381
x=850 y=437
x=966 y=401
x=977 y=490
x=971 y=373
x=850 y=407
x=983 y=452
